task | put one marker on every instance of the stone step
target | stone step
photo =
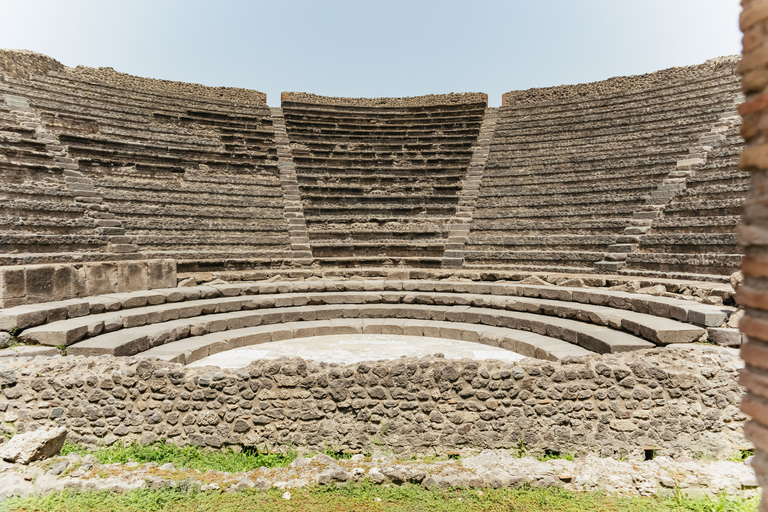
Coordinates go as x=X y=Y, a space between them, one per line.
x=653 y=328
x=23 y=317
x=138 y=339
x=525 y=343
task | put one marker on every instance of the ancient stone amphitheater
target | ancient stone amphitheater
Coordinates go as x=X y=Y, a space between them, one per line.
x=588 y=227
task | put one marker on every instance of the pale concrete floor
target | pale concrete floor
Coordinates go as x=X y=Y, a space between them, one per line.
x=353 y=348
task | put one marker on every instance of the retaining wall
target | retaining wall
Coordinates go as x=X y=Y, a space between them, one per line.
x=676 y=401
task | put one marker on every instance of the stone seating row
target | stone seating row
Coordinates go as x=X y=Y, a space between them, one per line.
x=678 y=118
x=334 y=145
x=600 y=158
x=26 y=316
x=132 y=340
x=499 y=226
x=658 y=330
x=522 y=176
x=569 y=261
x=324 y=123
x=605 y=125
x=381 y=163
x=100 y=88
x=529 y=344
x=691 y=86
x=536 y=138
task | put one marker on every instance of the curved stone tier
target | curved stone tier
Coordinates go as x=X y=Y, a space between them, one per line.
x=106 y=162
x=628 y=176
x=636 y=175
x=188 y=323
x=428 y=100
x=380 y=179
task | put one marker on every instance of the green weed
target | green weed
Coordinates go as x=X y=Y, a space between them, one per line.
x=187 y=457
x=366 y=497
x=741 y=455
x=552 y=455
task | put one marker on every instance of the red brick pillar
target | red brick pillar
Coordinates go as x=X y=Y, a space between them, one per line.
x=753 y=234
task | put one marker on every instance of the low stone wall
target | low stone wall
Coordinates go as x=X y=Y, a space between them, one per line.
x=23 y=63
x=427 y=100
x=31 y=284
x=675 y=401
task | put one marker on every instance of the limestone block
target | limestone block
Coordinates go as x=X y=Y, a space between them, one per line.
x=724 y=336
x=36 y=445
x=132 y=276
x=161 y=274
x=100 y=278
x=39 y=282
x=67 y=282
x=12 y=283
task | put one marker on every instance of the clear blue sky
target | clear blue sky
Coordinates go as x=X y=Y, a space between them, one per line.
x=367 y=48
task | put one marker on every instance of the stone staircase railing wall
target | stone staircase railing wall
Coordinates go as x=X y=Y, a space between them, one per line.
x=470 y=190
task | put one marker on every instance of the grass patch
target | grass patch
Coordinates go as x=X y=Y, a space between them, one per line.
x=741 y=455
x=365 y=497
x=553 y=455
x=188 y=457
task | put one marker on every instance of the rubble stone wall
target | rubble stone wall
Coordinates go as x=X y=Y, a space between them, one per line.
x=675 y=401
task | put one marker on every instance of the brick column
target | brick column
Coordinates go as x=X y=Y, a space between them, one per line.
x=753 y=234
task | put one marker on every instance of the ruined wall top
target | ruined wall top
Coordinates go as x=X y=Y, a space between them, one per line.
x=428 y=100
x=24 y=64
x=623 y=84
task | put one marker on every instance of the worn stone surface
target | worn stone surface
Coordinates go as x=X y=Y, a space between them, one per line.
x=34 y=445
x=488 y=469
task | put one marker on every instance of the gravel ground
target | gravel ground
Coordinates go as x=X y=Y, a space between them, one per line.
x=490 y=468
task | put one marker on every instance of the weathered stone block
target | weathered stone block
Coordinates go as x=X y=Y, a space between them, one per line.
x=100 y=278
x=132 y=276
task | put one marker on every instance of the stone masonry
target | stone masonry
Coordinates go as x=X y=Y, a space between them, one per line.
x=675 y=401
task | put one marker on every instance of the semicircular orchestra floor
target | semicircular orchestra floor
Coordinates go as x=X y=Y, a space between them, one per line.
x=353 y=348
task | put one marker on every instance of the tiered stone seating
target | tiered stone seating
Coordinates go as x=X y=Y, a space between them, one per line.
x=570 y=165
x=38 y=212
x=189 y=171
x=695 y=232
x=186 y=324
x=380 y=179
